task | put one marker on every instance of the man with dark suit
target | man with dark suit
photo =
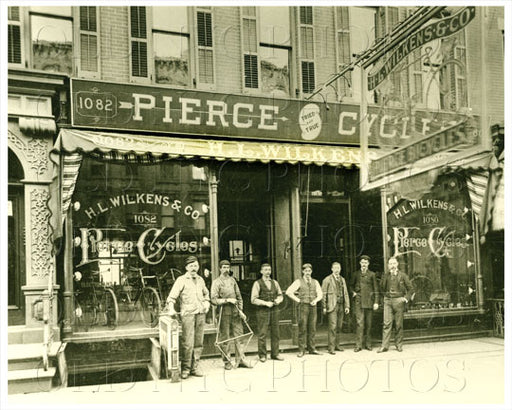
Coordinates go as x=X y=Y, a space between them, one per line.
x=364 y=290
x=397 y=290
x=336 y=304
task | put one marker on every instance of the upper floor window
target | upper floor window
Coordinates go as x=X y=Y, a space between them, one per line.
x=250 y=48
x=307 y=48
x=171 y=50
x=205 y=57
x=275 y=50
x=52 y=38
x=14 y=36
x=453 y=80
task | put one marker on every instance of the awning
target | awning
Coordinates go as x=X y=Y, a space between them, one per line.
x=127 y=146
x=72 y=144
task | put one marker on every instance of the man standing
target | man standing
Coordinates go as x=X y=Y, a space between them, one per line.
x=266 y=294
x=226 y=295
x=336 y=304
x=363 y=286
x=307 y=293
x=397 y=290
x=190 y=290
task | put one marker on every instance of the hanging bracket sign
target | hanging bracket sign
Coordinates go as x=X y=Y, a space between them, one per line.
x=442 y=28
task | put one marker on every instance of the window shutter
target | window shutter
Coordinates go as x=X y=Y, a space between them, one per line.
x=14 y=36
x=251 y=70
x=250 y=47
x=205 y=47
x=139 y=41
x=307 y=49
x=88 y=39
x=308 y=76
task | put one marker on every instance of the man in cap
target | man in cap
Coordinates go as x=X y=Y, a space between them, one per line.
x=226 y=294
x=307 y=293
x=266 y=294
x=190 y=290
x=397 y=290
x=365 y=297
x=336 y=305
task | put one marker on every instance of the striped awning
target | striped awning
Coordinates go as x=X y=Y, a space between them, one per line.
x=477 y=186
x=72 y=145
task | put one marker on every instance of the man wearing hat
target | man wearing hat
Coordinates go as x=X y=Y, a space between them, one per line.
x=226 y=294
x=365 y=297
x=307 y=293
x=336 y=305
x=190 y=290
x=266 y=294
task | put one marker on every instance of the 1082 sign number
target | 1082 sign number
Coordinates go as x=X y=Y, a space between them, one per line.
x=89 y=104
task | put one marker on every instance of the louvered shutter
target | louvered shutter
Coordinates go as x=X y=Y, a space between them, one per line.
x=139 y=41
x=88 y=39
x=205 y=47
x=14 y=36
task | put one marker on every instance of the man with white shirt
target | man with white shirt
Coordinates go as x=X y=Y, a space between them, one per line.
x=397 y=290
x=266 y=294
x=307 y=293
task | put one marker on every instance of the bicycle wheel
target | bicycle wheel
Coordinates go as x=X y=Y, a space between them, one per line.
x=110 y=308
x=150 y=302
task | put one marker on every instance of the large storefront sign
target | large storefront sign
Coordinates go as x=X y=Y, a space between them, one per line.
x=177 y=111
x=432 y=237
x=442 y=28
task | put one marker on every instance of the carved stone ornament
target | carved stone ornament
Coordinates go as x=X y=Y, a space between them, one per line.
x=35 y=152
x=40 y=233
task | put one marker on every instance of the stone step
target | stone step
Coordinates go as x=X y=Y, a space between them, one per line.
x=30 y=380
x=28 y=356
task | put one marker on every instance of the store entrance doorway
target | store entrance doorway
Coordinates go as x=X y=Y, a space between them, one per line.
x=326 y=229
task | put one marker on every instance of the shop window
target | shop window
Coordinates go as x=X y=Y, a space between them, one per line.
x=307 y=51
x=171 y=50
x=434 y=241
x=133 y=232
x=52 y=39
x=15 y=46
x=343 y=52
x=139 y=42
x=89 y=40
x=275 y=50
x=205 y=57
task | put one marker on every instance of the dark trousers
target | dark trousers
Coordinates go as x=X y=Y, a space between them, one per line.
x=363 y=324
x=192 y=332
x=334 y=323
x=393 y=310
x=230 y=327
x=307 y=327
x=268 y=316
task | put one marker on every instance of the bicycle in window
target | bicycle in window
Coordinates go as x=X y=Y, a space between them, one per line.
x=137 y=294
x=95 y=302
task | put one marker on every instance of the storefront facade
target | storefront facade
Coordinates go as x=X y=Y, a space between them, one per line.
x=219 y=149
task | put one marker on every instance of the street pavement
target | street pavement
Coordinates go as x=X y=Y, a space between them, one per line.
x=468 y=372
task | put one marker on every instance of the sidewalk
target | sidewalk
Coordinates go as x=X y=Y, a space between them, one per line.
x=454 y=372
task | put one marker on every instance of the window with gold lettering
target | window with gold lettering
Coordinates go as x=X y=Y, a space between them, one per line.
x=133 y=227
